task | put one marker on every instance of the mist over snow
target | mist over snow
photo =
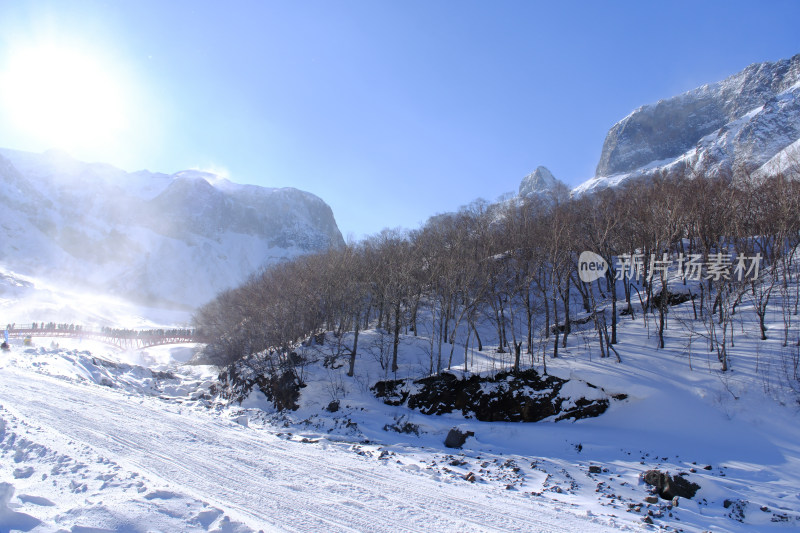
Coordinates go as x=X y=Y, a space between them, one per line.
x=156 y=239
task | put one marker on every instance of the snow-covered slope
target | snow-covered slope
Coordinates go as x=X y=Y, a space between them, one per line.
x=731 y=128
x=175 y=239
x=91 y=440
x=86 y=446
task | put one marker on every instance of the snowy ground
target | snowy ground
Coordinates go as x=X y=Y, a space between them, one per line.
x=93 y=439
x=87 y=448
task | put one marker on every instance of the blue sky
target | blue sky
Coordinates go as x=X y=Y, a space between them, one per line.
x=389 y=111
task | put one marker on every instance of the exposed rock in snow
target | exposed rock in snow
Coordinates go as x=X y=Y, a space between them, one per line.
x=522 y=397
x=456 y=438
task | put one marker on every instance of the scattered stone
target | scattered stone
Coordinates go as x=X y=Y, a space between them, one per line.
x=456 y=439
x=333 y=406
x=594 y=469
x=737 y=509
x=402 y=425
x=651 y=499
x=23 y=473
x=670 y=486
x=470 y=477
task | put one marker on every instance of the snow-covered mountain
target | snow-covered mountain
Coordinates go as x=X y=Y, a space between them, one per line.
x=170 y=239
x=539 y=182
x=747 y=125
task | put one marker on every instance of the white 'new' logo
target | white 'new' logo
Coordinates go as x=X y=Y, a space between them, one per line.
x=591 y=267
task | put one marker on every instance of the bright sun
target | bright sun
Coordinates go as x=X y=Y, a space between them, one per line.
x=63 y=98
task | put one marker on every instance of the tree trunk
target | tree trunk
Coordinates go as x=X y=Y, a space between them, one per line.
x=351 y=371
x=567 y=324
x=546 y=316
x=555 y=320
x=517 y=351
x=396 y=335
x=477 y=337
x=466 y=351
x=529 y=316
x=504 y=337
x=613 y=309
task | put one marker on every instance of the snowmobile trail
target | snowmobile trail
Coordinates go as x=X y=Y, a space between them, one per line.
x=257 y=477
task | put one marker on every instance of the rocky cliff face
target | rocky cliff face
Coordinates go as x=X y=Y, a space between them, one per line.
x=171 y=239
x=541 y=183
x=731 y=128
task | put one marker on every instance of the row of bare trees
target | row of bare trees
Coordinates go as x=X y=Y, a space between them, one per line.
x=514 y=266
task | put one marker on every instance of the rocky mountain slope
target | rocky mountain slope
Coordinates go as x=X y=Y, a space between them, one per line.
x=745 y=126
x=540 y=182
x=540 y=186
x=167 y=239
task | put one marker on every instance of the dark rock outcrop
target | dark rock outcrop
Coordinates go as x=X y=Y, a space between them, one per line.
x=456 y=438
x=668 y=487
x=280 y=385
x=673 y=298
x=505 y=397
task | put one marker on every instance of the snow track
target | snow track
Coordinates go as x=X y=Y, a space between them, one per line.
x=257 y=477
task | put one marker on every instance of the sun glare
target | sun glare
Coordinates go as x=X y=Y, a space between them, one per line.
x=63 y=98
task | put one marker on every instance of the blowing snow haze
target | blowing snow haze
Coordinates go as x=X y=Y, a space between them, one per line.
x=169 y=240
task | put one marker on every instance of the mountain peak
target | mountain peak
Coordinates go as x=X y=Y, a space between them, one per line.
x=540 y=181
x=728 y=129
